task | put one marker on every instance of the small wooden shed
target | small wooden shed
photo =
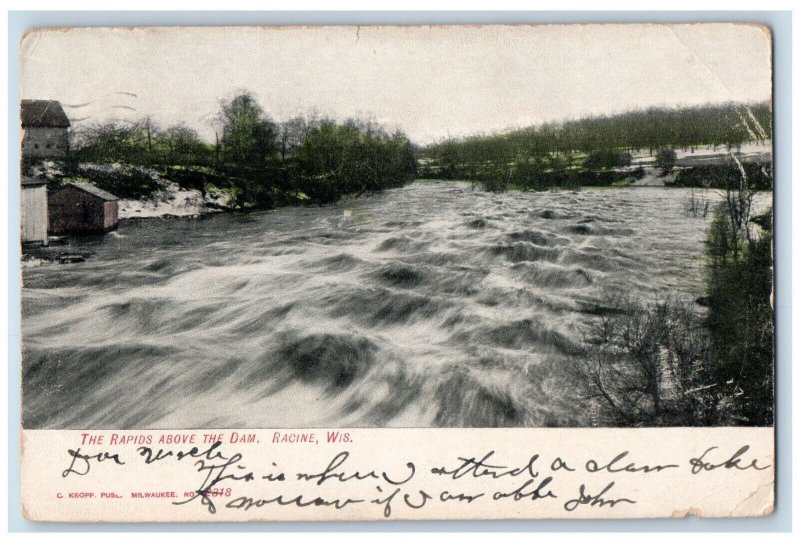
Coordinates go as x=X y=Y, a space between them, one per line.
x=33 y=210
x=82 y=208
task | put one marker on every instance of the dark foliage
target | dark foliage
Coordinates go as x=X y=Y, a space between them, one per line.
x=351 y=158
x=724 y=176
x=638 y=173
x=648 y=366
x=665 y=160
x=652 y=129
x=260 y=163
x=124 y=182
x=524 y=157
x=741 y=317
x=606 y=159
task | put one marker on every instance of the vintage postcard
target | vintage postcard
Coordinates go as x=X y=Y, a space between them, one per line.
x=387 y=273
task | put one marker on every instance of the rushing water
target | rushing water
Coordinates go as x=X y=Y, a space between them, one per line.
x=429 y=305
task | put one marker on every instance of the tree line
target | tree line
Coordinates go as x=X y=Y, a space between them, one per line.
x=261 y=163
x=589 y=150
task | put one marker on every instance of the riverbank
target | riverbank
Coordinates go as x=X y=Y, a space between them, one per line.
x=700 y=167
x=174 y=201
x=147 y=193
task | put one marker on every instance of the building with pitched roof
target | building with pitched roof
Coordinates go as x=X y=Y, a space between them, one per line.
x=82 y=208
x=45 y=129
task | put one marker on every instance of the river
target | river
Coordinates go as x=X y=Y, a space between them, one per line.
x=428 y=305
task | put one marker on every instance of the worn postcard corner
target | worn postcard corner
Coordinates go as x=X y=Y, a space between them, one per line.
x=397 y=273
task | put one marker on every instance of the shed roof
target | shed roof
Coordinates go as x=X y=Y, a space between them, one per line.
x=32 y=182
x=94 y=191
x=43 y=113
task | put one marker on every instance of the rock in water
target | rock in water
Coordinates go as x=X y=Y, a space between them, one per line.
x=71 y=258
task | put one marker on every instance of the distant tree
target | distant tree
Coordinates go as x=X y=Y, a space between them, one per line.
x=352 y=158
x=603 y=159
x=638 y=173
x=151 y=130
x=665 y=160
x=449 y=160
x=114 y=141
x=248 y=135
x=291 y=134
x=624 y=160
x=182 y=145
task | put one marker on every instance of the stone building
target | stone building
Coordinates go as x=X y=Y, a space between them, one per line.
x=44 y=129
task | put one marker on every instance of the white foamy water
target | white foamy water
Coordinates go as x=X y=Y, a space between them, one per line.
x=429 y=305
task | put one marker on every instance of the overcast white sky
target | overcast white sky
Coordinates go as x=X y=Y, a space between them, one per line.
x=432 y=82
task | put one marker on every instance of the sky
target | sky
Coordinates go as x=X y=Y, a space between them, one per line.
x=432 y=82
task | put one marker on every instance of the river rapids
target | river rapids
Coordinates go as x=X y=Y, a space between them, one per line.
x=432 y=305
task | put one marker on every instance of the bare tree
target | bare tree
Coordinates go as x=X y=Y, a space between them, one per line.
x=291 y=134
x=150 y=129
x=645 y=366
x=738 y=204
